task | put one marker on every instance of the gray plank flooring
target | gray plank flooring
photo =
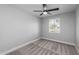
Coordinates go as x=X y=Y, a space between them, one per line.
x=45 y=47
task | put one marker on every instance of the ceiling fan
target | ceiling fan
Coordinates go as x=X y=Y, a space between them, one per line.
x=46 y=11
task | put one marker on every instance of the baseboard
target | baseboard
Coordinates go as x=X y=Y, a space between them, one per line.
x=59 y=41
x=20 y=46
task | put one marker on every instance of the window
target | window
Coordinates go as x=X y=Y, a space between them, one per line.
x=54 y=25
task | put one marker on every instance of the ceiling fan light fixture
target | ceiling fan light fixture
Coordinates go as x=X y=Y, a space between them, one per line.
x=44 y=13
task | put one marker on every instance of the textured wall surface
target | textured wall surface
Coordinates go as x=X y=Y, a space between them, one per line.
x=16 y=27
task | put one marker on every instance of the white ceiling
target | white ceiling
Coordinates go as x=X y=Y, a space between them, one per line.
x=63 y=8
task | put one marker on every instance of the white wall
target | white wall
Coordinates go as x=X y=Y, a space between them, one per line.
x=77 y=27
x=16 y=27
x=67 y=28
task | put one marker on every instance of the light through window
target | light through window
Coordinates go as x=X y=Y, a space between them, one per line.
x=54 y=25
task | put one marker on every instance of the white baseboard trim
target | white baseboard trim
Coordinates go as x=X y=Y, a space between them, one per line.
x=59 y=41
x=20 y=46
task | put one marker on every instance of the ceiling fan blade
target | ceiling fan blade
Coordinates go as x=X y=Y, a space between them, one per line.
x=41 y=14
x=37 y=10
x=53 y=9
